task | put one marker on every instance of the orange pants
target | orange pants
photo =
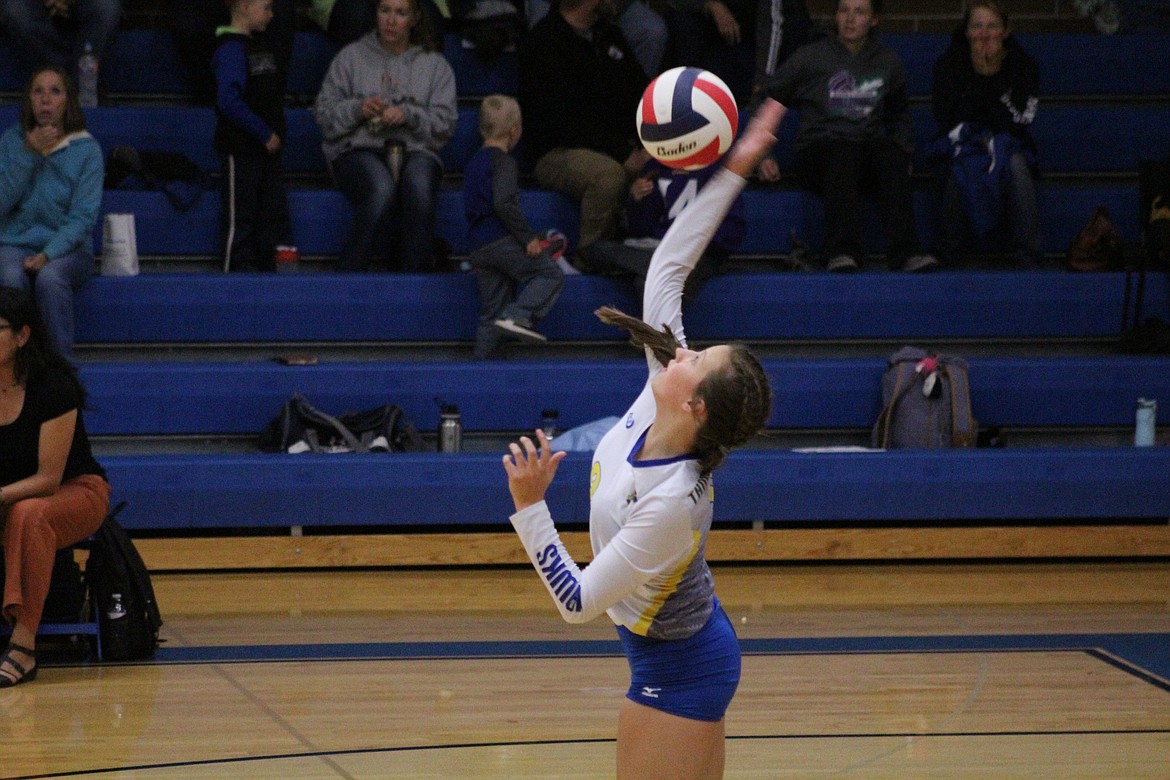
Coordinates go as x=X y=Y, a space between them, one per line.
x=34 y=530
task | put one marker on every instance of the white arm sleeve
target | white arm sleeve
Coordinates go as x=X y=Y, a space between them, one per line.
x=680 y=250
x=654 y=540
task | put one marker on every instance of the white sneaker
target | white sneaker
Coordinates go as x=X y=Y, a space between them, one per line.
x=841 y=264
x=919 y=263
x=522 y=332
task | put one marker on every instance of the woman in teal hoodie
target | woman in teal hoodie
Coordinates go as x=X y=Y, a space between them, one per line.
x=51 y=173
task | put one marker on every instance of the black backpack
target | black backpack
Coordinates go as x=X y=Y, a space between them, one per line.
x=1150 y=334
x=122 y=596
x=172 y=173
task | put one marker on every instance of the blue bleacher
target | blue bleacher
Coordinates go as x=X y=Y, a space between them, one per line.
x=169 y=308
x=239 y=397
x=320 y=218
x=192 y=492
x=145 y=62
x=1071 y=138
x=1097 y=122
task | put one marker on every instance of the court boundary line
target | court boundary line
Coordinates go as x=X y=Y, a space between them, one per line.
x=588 y=741
x=1138 y=654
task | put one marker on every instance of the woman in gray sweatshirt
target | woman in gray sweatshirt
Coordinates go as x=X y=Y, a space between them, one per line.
x=385 y=109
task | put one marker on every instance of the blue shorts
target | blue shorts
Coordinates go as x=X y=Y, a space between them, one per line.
x=693 y=678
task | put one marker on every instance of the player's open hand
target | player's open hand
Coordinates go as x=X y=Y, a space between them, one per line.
x=755 y=141
x=530 y=471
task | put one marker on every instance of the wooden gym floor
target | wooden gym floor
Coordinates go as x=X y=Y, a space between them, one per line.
x=937 y=671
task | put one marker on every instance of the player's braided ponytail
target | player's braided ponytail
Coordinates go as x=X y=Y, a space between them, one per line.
x=661 y=342
x=738 y=400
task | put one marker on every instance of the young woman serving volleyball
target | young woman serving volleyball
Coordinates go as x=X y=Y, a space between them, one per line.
x=650 y=505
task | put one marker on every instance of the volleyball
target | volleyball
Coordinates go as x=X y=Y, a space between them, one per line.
x=687 y=118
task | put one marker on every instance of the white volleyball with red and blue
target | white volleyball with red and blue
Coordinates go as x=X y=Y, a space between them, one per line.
x=687 y=118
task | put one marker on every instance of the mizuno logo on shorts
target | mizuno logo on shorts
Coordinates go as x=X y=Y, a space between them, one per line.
x=650 y=692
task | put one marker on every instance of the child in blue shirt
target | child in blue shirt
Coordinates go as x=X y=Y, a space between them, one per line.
x=518 y=280
x=249 y=108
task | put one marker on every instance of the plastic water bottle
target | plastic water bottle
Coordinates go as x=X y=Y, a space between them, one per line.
x=87 y=78
x=1143 y=432
x=548 y=422
x=450 y=429
x=116 y=610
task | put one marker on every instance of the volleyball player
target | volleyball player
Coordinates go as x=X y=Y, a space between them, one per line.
x=650 y=505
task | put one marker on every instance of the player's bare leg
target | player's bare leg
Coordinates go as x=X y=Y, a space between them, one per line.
x=655 y=745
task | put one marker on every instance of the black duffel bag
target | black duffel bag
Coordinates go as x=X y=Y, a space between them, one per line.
x=301 y=427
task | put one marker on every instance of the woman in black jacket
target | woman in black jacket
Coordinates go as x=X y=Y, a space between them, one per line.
x=985 y=98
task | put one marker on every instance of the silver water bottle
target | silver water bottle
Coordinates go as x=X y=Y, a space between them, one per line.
x=450 y=429
x=1143 y=432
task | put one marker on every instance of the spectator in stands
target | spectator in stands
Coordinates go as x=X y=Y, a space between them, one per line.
x=782 y=27
x=51 y=174
x=518 y=280
x=344 y=21
x=985 y=98
x=489 y=27
x=53 y=493
x=718 y=36
x=644 y=29
x=193 y=25
x=656 y=198
x=55 y=32
x=249 y=108
x=579 y=89
x=855 y=136
x=385 y=109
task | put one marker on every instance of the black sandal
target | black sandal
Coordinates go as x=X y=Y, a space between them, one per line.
x=25 y=675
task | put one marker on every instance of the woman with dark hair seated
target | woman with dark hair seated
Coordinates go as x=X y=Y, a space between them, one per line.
x=986 y=95
x=51 y=174
x=53 y=493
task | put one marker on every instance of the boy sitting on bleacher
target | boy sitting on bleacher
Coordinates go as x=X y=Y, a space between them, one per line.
x=518 y=280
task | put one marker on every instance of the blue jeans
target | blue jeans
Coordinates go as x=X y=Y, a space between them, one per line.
x=367 y=183
x=513 y=286
x=52 y=287
x=42 y=41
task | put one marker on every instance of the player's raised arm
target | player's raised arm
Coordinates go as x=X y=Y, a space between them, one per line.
x=691 y=232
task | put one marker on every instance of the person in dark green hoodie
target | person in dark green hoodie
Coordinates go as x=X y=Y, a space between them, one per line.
x=855 y=136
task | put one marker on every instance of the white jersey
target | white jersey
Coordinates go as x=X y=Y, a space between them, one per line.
x=649 y=519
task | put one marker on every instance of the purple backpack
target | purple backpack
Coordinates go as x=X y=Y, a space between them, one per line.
x=926 y=402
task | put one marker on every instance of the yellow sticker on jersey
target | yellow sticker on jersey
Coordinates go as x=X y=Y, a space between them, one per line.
x=594 y=478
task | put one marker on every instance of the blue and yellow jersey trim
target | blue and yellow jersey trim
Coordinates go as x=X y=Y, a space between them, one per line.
x=669 y=588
